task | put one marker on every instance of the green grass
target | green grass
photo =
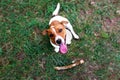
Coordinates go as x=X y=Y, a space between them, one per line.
x=27 y=55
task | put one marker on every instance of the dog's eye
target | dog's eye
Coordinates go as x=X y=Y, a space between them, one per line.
x=60 y=30
x=51 y=35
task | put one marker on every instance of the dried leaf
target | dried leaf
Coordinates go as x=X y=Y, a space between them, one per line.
x=36 y=30
x=20 y=55
x=118 y=12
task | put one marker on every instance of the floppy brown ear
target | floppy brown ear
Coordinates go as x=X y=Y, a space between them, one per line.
x=44 y=32
x=64 y=22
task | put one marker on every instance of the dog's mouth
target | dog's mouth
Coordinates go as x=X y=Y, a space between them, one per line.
x=63 y=48
x=62 y=45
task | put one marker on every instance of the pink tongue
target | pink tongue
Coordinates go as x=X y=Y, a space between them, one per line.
x=63 y=48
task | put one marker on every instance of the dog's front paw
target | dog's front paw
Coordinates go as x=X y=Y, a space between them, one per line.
x=76 y=36
x=56 y=50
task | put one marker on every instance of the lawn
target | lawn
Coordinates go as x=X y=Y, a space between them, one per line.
x=25 y=54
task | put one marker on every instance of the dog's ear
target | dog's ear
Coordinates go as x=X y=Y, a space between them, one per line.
x=64 y=22
x=44 y=32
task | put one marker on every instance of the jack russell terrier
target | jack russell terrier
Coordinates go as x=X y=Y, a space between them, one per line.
x=60 y=32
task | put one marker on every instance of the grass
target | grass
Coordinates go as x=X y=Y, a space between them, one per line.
x=27 y=55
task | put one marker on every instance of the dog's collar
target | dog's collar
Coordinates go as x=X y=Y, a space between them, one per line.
x=68 y=29
x=65 y=39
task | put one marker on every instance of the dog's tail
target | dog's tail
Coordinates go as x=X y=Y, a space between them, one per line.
x=56 y=10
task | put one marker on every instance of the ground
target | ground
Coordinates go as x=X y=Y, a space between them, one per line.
x=25 y=54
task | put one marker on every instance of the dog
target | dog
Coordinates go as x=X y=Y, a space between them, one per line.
x=60 y=32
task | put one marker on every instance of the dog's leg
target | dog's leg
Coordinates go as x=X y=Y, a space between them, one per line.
x=68 y=41
x=69 y=26
x=56 y=50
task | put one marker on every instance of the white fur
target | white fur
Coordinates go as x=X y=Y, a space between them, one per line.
x=69 y=26
x=58 y=18
x=69 y=32
x=68 y=37
x=54 y=31
x=56 y=10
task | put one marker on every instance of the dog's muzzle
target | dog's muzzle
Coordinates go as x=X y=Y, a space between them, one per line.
x=59 y=41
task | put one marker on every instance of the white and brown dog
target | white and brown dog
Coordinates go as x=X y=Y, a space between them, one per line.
x=60 y=32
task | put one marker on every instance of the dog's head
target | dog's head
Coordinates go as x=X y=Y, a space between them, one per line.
x=56 y=32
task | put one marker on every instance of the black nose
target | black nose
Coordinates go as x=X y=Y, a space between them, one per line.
x=58 y=41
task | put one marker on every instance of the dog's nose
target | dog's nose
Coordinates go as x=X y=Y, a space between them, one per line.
x=58 y=41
